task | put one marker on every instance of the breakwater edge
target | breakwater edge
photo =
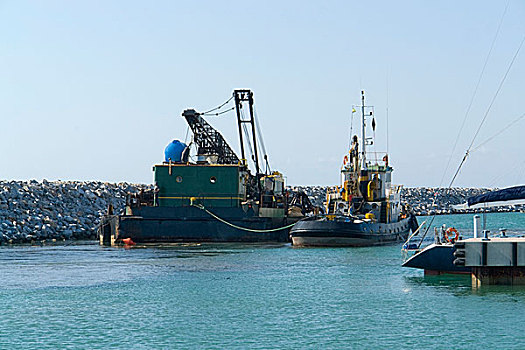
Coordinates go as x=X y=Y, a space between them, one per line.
x=35 y=211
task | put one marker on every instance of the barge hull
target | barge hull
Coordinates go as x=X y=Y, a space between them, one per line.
x=190 y=224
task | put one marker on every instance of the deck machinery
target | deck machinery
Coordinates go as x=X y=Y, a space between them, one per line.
x=215 y=197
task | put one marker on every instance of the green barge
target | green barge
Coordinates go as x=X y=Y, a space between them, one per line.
x=204 y=192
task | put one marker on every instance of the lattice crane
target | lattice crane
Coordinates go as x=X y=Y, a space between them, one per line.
x=208 y=140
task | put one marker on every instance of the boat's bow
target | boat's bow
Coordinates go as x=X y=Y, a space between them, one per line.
x=435 y=259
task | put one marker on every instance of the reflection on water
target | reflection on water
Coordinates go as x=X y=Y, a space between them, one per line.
x=461 y=285
x=87 y=263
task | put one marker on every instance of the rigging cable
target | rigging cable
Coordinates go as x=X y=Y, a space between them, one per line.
x=218 y=113
x=498 y=90
x=482 y=121
x=488 y=110
x=218 y=107
x=261 y=141
x=474 y=93
x=500 y=176
x=247 y=136
x=499 y=132
x=520 y=173
x=467 y=153
x=186 y=137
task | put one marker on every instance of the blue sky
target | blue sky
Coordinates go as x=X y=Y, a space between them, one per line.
x=94 y=90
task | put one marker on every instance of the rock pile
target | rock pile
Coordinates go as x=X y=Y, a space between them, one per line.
x=36 y=211
x=32 y=211
x=422 y=200
x=317 y=194
x=439 y=201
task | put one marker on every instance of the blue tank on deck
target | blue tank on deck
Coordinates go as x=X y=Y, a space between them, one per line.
x=174 y=151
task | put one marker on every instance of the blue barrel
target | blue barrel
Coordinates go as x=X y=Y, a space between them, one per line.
x=174 y=151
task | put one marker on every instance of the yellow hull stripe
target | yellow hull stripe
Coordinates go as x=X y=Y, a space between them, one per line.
x=188 y=164
x=196 y=198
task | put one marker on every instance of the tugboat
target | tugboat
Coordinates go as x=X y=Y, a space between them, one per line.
x=215 y=197
x=366 y=209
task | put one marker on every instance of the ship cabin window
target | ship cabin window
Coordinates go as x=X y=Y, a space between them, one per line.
x=213 y=179
x=178 y=179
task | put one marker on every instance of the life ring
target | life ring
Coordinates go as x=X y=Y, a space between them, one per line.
x=451 y=231
x=345 y=160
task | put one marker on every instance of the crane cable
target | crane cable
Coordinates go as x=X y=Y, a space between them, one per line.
x=218 y=113
x=247 y=137
x=262 y=148
x=218 y=107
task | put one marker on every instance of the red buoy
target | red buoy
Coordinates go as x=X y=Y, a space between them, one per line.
x=128 y=241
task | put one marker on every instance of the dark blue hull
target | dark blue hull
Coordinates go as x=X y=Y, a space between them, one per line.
x=436 y=259
x=191 y=224
x=338 y=233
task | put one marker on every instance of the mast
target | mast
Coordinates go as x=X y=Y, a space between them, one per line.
x=239 y=123
x=240 y=97
x=252 y=122
x=363 y=136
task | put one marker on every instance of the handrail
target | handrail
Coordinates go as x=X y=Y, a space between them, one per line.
x=414 y=233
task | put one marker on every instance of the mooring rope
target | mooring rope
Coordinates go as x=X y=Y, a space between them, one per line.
x=200 y=206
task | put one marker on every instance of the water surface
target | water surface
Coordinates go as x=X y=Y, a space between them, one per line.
x=83 y=296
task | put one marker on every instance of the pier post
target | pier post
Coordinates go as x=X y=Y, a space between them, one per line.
x=477 y=226
x=493 y=261
x=498 y=275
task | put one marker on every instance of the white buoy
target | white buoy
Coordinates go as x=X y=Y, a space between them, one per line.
x=477 y=226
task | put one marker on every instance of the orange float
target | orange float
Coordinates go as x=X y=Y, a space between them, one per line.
x=128 y=241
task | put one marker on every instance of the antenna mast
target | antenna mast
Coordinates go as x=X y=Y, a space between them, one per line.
x=363 y=136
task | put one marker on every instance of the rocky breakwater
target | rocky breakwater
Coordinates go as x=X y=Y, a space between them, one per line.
x=32 y=211
x=422 y=200
x=439 y=201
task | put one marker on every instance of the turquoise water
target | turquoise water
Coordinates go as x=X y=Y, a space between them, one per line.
x=83 y=296
x=513 y=222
